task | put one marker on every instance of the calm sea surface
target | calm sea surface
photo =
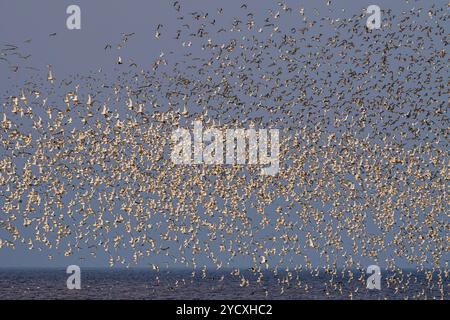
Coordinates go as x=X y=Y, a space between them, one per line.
x=145 y=284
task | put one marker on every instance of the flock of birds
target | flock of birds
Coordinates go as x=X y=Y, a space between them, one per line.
x=363 y=119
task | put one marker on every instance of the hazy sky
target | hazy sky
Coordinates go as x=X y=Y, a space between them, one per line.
x=82 y=51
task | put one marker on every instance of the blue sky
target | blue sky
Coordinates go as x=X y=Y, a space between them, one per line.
x=72 y=52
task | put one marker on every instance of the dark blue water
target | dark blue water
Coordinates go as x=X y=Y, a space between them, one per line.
x=149 y=285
